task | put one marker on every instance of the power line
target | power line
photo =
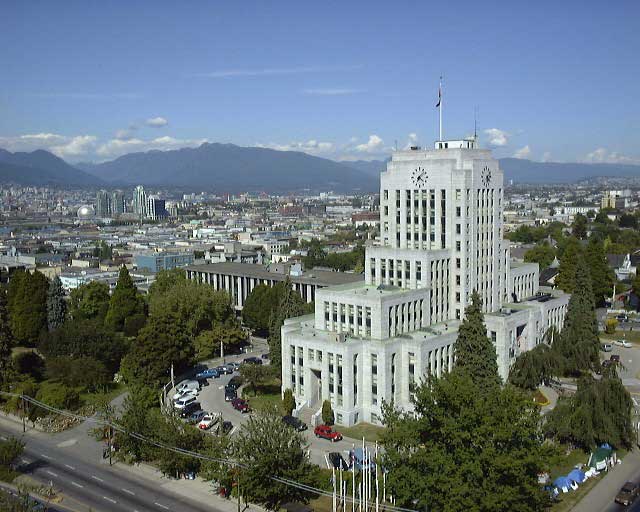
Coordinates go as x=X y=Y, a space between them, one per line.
x=189 y=453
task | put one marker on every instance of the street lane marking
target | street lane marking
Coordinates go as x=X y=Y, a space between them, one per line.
x=76 y=484
x=129 y=492
x=161 y=506
x=109 y=499
x=51 y=473
x=70 y=467
x=45 y=456
x=96 y=478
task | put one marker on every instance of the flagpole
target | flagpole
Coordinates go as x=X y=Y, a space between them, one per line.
x=440 y=109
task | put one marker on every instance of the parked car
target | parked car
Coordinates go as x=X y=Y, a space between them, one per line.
x=225 y=427
x=628 y=494
x=606 y=347
x=234 y=382
x=190 y=409
x=623 y=343
x=326 y=432
x=224 y=369
x=239 y=404
x=622 y=317
x=252 y=360
x=185 y=392
x=294 y=423
x=337 y=461
x=234 y=365
x=230 y=394
x=196 y=416
x=188 y=384
x=208 y=421
x=614 y=358
x=265 y=356
x=209 y=373
x=183 y=402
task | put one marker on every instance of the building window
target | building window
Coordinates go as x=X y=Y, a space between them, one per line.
x=457 y=262
x=385 y=194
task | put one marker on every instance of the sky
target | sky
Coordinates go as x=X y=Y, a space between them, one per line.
x=347 y=80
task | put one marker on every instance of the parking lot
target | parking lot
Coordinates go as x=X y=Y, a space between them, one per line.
x=212 y=400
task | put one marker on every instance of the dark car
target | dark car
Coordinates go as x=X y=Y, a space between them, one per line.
x=615 y=358
x=241 y=405
x=189 y=409
x=628 y=494
x=337 y=461
x=230 y=394
x=265 y=356
x=252 y=360
x=196 y=416
x=294 y=423
x=225 y=427
x=208 y=374
x=224 y=369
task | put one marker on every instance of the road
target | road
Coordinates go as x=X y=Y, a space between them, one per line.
x=97 y=486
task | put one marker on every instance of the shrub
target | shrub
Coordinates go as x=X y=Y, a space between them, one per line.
x=288 y=402
x=58 y=395
x=611 y=325
x=85 y=372
x=30 y=364
x=327 y=413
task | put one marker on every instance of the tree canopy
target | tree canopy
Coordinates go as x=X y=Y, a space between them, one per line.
x=56 y=304
x=89 y=301
x=27 y=301
x=124 y=302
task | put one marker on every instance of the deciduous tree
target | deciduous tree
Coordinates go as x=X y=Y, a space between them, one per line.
x=89 y=301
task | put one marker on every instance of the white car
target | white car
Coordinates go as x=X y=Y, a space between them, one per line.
x=623 y=343
x=208 y=421
x=185 y=392
x=181 y=403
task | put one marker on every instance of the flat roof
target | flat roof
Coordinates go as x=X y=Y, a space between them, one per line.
x=313 y=276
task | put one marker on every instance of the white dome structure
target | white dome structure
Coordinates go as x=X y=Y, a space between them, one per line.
x=86 y=212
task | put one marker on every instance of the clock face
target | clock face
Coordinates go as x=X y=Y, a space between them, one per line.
x=419 y=176
x=486 y=176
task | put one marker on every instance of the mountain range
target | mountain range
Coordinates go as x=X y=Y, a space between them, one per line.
x=230 y=168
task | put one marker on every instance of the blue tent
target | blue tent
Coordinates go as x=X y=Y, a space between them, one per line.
x=606 y=446
x=562 y=481
x=577 y=476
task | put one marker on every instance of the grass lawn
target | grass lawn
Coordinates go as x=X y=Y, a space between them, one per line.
x=370 y=432
x=264 y=401
x=561 y=464
x=631 y=336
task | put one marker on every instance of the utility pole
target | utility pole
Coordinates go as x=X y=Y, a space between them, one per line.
x=24 y=415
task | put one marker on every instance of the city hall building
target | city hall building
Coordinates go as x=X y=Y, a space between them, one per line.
x=441 y=238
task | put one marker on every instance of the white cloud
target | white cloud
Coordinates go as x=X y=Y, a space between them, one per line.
x=118 y=147
x=61 y=145
x=331 y=92
x=156 y=122
x=524 y=152
x=497 y=137
x=374 y=144
x=604 y=156
x=313 y=147
x=235 y=73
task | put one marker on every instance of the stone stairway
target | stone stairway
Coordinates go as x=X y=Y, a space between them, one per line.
x=305 y=414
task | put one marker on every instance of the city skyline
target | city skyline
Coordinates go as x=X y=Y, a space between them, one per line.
x=120 y=80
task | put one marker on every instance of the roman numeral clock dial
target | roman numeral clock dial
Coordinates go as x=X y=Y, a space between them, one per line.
x=486 y=176
x=419 y=176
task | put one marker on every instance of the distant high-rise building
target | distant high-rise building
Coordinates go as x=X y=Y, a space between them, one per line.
x=103 y=204
x=140 y=202
x=117 y=202
x=156 y=208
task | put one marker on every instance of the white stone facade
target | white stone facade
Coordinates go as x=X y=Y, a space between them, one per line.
x=441 y=238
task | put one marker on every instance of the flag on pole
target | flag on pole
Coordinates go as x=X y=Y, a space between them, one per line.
x=439 y=95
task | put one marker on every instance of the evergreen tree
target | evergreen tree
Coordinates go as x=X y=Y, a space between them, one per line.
x=566 y=278
x=461 y=450
x=259 y=306
x=475 y=354
x=289 y=306
x=89 y=301
x=602 y=276
x=288 y=402
x=27 y=301
x=578 y=342
x=6 y=341
x=327 y=413
x=56 y=304
x=124 y=302
x=579 y=227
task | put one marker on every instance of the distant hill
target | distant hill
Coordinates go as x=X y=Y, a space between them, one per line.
x=41 y=168
x=371 y=167
x=231 y=168
x=527 y=171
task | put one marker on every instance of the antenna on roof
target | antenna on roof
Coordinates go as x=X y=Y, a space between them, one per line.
x=475 y=123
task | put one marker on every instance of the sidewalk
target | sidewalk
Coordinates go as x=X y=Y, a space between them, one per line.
x=602 y=495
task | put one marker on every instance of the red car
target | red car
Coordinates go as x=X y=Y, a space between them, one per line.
x=240 y=404
x=326 y=432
